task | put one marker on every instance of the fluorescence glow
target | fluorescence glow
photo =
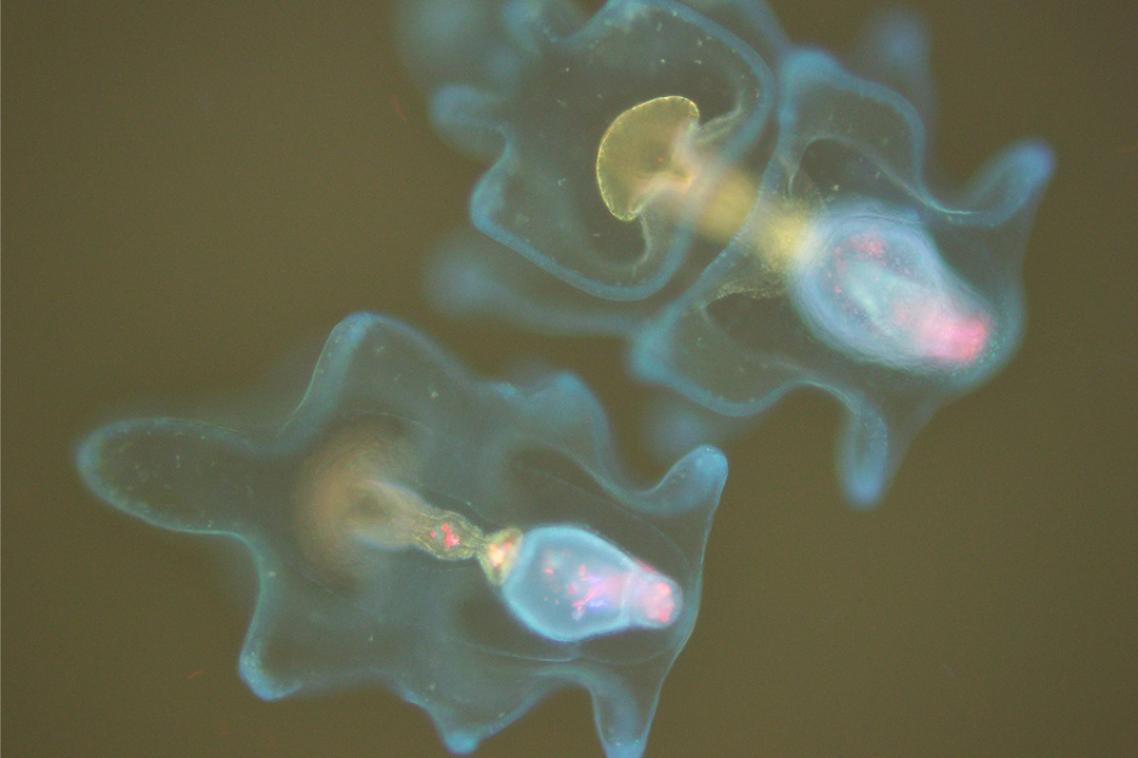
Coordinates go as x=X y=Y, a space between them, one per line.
x=569 y=585
x=681 y=176
x=393 y=518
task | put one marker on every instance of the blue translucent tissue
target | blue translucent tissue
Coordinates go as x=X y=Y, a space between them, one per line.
x=384 y=516
x=569 y=584
x=784 y=236
x=532 y=86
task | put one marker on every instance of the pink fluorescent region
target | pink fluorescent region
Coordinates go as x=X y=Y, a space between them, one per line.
x=881 y=290
x=641 y=590
x=450 y=539
x=569 y=584
x=958 y=341
x=943 y=334
x=593 y=590
x=870 y=244
x=657 y=602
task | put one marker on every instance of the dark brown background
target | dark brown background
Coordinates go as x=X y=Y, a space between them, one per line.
x=193 y=190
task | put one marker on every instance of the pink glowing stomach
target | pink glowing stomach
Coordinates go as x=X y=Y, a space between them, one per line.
x=874 y=287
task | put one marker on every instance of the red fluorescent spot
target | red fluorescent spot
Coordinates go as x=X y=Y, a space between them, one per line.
x=665 y=605
x=450 y=539
x=657 y=601
x=952 y=338
x=589 y=597
x=869 y=243
x=194 y=674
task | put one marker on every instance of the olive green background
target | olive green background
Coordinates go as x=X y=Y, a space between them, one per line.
x=194 y=190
